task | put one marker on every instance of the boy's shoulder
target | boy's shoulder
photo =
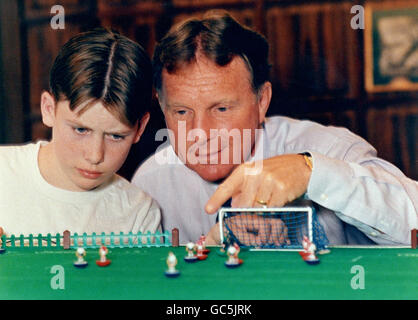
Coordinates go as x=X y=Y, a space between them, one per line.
x=121 y=188
x=17 y=154
x=10 y=149
x=125 y=198
x=163 y=161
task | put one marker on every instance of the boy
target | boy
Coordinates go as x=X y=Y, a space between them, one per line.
x=100 y=87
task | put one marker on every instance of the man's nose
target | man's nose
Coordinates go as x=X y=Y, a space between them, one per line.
x=203 y=127
x=94 y=150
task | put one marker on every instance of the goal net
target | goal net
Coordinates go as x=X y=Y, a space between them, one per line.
x=271 y=228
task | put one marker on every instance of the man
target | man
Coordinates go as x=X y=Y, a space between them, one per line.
x=211 y=77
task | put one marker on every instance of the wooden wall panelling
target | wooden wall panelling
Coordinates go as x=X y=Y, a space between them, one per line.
x=12 y=104
x=317 y=61
x=393 y=131
x=412 y=144
x=353 y=49
x=309 y=48
x=42 y=43
x=279 y=32
x=41 y=9
x=345 y=118
x=244 y=11
x=3 y=110
x=205 y=5
x=334 y=44
x=310 y=64
x=136 y=20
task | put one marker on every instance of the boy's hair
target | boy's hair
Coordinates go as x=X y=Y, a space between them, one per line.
x=103 y=66
x=220 y=38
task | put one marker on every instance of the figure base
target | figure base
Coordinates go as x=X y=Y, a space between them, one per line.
x=190 y=259
x=202 y=257
x=103 y=263
x=172 y=274
x=233 y=265
x=81 y=264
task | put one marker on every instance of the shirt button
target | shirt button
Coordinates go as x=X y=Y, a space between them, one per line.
x=373 y=234
x=324 y=197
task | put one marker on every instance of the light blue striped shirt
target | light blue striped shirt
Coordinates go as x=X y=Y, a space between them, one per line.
x=362 y=199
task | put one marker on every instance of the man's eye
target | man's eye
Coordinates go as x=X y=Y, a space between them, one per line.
x=80 y=130
x=181 y=112
x=222 y=109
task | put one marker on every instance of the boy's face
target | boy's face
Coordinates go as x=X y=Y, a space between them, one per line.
x=87 y=149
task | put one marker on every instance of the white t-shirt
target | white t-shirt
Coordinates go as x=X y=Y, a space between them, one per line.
x=30 y=205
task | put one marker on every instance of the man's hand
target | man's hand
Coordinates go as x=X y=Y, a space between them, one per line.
x=252 y=230
x=281 y=180
x=213 y=237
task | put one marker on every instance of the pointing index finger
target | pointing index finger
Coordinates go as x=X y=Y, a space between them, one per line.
x=227 y=189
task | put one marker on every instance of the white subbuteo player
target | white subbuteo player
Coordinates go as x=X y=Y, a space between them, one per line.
x=171 y=263
x=191 y=256
x=102 y=253
x=309 y=248
x=232 y=255
x=233 y=260
x=103 y=261
x=80 y=254
x=190 y=247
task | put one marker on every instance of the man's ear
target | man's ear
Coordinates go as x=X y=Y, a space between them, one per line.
x=160 y=101
x=264 y=99
x=48 y=108
x=141 y=126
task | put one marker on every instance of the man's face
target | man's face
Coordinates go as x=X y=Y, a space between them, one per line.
x=87 y=149
x=213 y=113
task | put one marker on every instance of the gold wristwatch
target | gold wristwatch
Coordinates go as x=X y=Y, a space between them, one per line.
x=308 y=160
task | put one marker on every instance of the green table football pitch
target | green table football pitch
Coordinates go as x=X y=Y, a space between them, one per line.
x=138 y=273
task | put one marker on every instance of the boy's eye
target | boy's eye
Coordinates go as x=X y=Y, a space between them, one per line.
x=117 y=137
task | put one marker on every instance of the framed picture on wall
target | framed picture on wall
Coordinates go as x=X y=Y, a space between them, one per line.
x=391 y=46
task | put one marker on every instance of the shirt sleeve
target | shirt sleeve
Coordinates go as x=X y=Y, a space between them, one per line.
x=152 y=221
x=148 y=215
x=366 y=192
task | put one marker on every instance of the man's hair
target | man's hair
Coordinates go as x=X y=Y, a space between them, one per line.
x=220 y=38
x=103 y=66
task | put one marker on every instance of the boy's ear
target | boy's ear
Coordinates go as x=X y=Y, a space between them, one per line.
x=48 y=107
x=141 y=126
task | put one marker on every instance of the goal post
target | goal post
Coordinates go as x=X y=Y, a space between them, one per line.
x=271 y=228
